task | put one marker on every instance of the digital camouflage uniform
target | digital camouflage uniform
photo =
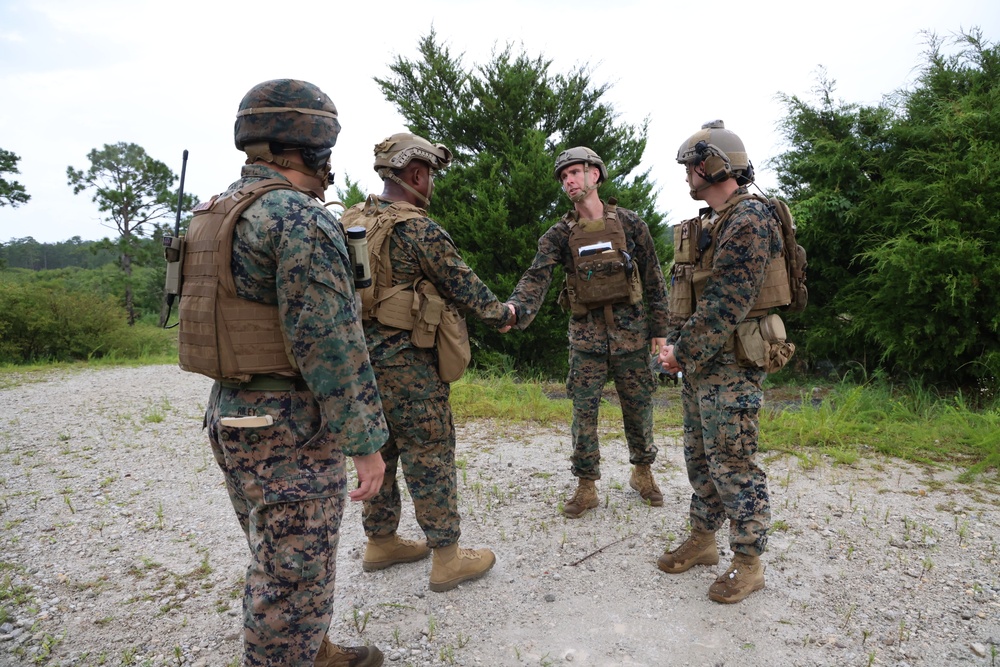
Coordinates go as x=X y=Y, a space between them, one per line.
x=597 y=350
x=287 y=482
x=415 y=399
x=722 y=399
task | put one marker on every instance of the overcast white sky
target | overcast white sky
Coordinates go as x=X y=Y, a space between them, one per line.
x=169 y=76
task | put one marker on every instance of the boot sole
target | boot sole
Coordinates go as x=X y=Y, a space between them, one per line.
x=370 y=566
x=442 y=586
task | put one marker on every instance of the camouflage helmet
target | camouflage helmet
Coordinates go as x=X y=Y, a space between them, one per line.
x=288 y=112
x=577 y=155
x=397 y=151
x=714 y=140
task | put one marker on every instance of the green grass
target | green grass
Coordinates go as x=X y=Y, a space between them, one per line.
x=501 y=397
x=906 y=422
x=909 y=423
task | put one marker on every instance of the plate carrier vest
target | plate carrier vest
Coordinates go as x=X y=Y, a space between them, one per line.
x=222 y=335
x=693 y=266
x=600 y=277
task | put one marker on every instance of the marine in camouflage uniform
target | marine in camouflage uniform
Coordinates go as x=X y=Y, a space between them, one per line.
x=287 y=481
x=415 y=399
x=722 y=398
x=598 y=349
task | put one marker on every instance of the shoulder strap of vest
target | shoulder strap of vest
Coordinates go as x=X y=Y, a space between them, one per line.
x=611 y=211
x=232 y=207
x=379 y=221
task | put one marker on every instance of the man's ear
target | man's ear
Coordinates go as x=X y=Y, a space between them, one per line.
x=415 y=174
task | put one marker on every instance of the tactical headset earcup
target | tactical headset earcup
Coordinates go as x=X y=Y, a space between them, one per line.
x=717 y=169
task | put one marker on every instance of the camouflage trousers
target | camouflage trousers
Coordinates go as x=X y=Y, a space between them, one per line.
x=422 y=439
x=287 y=483
x=721 y=411
x=634 y=383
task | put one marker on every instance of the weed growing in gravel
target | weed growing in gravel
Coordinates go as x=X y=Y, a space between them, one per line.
x=156 y=413
x=962 y=530
x=360 y=620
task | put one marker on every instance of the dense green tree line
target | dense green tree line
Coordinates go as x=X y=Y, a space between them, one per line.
x=899 y=206
x=27 y=253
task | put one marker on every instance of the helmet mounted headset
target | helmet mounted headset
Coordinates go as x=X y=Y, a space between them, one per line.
x=720 y=152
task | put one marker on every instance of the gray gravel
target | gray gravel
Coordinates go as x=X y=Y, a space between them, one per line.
x=119 y=547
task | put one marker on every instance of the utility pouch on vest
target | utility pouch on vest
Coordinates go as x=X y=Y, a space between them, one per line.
x=568 y=302
x=429 y=307
x=439 y=324
x=680 y=300
x=602 y=278
x=761 y=344
x=686 y=235
x=635 y=286
x=454 y=351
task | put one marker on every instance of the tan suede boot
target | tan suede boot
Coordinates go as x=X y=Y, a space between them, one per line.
x=643 y=482
x=452 y=565
x=388 y=550
x=333 y=655
x=698 y=549
x=583 y=499
x=744 y=576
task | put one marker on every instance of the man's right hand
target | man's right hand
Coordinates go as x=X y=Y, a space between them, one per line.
x=511 y=319
x=667 y=359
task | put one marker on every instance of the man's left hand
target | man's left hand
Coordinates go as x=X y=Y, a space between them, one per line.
x=371 y=470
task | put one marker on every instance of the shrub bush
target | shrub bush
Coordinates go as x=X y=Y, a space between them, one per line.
x=47 y=323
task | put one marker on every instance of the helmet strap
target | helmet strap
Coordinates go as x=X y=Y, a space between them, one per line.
x=704 y=186
x=262 y=151
x=587 y=186
x=406 y=186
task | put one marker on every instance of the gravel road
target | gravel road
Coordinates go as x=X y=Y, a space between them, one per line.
x=119 y=547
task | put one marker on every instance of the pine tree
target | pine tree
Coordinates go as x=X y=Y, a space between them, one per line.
x=506 y=121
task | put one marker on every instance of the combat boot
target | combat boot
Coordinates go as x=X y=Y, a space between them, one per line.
x=583 y=499
x=452 y=565
x=698 y=549
x=643 y=482
x=333 y=655
x=744 y=576
x=388 y=550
